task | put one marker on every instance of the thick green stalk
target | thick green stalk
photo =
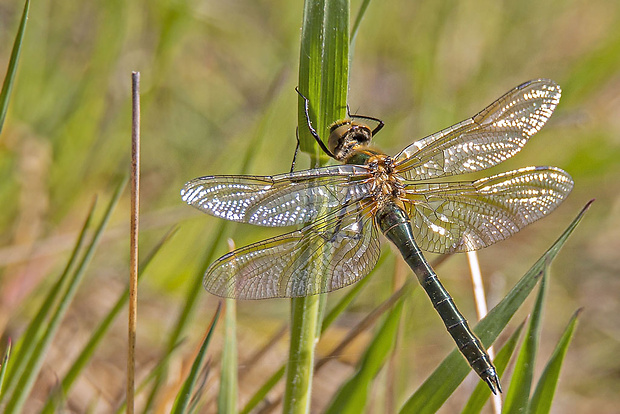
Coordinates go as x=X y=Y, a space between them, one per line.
x=300 y=368
x=323 y=79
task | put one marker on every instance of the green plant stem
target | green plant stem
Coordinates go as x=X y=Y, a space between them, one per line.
x=304 y=323
x=323 y=79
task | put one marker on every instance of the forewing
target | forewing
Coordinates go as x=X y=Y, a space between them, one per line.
x=329 y=254
x=465 y=216
x=492 y=136
x=280 y=200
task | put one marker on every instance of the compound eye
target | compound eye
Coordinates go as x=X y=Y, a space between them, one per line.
x=362 y=134
x=338 y=135
x=338 y=124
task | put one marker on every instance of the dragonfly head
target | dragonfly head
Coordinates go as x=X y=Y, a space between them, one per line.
x=345 y=136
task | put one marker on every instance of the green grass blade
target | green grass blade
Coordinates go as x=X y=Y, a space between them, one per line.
x=227 y=397
x=5 y=361
x=84 y=357
x=518 y=394
x=482 y=392
x=38 y=324
x=185 y=393
x=33 y=366
x=452 y=370
x=323 y=79
x=353 y=394
x=545 y=390
x=323 y=68
x=9 y=79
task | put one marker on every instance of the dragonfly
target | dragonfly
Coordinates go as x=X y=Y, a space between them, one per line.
x=342 y=209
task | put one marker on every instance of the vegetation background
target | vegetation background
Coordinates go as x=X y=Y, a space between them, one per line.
x=219 y=75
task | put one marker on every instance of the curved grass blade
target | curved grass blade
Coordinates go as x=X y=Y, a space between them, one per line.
x=37 y=325
x=33 y=366
x=5 y=360
x=482 y=392
x=9 y=79
x=545 y=390
x=185 y=393
x=353 y=394
x=196 y=404
x=518 y=395
x=430 y=396
x=84 y=357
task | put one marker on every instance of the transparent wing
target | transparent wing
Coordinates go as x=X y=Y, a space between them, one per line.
x=281 y=200
x=335 y=251
x=465 y=216
x=492 y=136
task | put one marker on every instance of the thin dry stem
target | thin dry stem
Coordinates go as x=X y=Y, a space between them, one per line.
x=134 y=226
x=482 y=310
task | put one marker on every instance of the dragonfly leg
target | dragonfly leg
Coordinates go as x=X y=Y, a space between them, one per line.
x=296 y=149
x=338 y=235
x=379 y=122
x=313 y=131
x=351 y=233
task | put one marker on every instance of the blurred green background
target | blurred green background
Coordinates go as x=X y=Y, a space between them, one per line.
x=219 y=75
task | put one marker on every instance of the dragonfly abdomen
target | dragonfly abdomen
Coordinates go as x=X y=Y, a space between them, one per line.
x=394 y=223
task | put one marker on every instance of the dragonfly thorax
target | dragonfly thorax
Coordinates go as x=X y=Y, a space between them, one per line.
x=345 y=136
x=385 y=184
